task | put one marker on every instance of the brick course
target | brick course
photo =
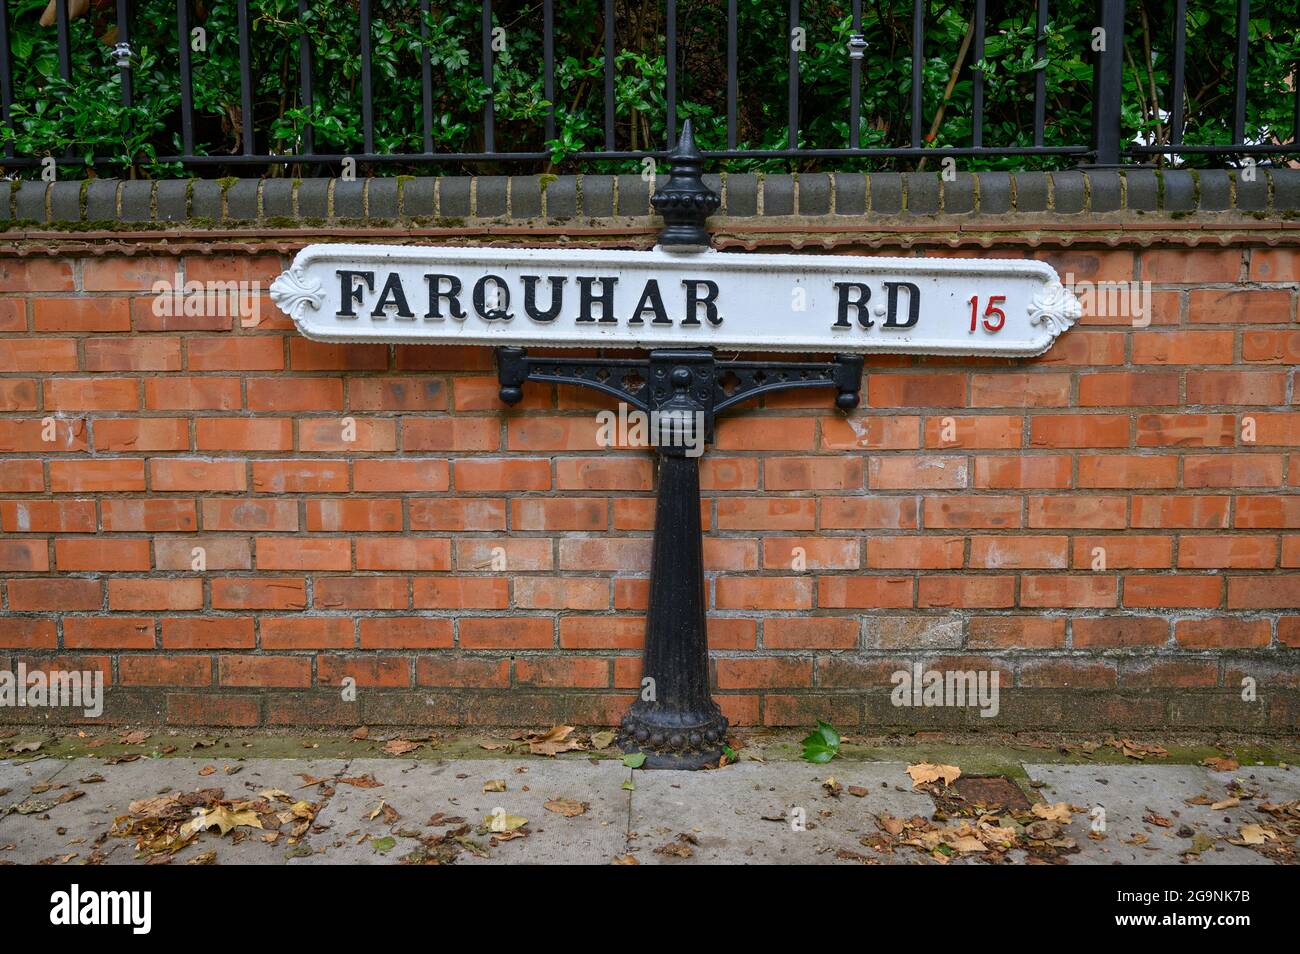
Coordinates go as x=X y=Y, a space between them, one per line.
x=1114 y=526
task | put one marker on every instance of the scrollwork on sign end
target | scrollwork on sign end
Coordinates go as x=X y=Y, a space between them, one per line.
x=1056 y=308
x=294 y=290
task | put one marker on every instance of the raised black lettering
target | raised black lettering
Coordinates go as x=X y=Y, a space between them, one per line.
x=392 y=294
x=606 y=299
x=653 y=301
x=350 y=293
x=500 y=310
x=913 y=305
x=437 y=296
x=694 y=301
x=860 y=303
x=530 y=297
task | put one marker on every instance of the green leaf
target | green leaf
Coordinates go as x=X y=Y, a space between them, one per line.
x=384 y=845
x=817 y=755
x=634 y=760
x=822 y=744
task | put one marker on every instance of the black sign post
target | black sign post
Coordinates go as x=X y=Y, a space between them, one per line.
x=675 y=722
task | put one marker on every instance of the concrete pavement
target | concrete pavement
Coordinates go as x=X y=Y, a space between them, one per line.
x=384 y=810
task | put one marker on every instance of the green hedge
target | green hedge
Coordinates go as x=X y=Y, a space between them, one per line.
x=85 y=119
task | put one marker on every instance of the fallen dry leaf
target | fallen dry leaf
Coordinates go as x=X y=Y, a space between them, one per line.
x=553 y=741
x=1221 y=764
x=158 y=805
x=500 y=822
x=568 y=807
x=1060 y=812
x=888 y=823
x=222 y=818
x=401 y=747
x=1256 y=834
x=681 y=848
x=924 y=773
x=1136 y=750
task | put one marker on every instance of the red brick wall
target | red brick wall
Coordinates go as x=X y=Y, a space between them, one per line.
x=371 y=559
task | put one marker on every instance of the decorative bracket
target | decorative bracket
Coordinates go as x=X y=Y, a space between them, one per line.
x=708 y=386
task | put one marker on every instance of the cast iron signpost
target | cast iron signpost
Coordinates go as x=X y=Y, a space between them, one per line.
x=682 y=302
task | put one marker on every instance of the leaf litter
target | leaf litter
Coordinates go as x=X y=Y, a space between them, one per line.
x=164 y=824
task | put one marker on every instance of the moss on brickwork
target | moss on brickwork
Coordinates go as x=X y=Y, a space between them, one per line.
x=974 y=753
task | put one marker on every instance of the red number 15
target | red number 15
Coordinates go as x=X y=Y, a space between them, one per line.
x=994 y=317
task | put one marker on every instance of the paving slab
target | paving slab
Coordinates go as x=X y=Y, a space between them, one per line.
x=19 y=776
x=738 y=815
x=1127 y=793
x=75 y=825
x=418 y=790
x=743 y=814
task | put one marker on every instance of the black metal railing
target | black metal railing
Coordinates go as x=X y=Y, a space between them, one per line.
x=1107 y=142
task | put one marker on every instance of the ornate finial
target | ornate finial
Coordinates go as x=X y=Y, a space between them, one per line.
x=685 y=202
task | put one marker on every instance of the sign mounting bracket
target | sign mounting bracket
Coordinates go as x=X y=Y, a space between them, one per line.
x=675 y=722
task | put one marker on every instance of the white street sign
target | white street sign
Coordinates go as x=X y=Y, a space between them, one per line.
x=660 y=299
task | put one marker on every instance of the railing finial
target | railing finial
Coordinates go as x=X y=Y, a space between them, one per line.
x=685 y=201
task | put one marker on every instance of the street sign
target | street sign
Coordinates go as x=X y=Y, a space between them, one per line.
x=684 y=303
x=672 y=299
